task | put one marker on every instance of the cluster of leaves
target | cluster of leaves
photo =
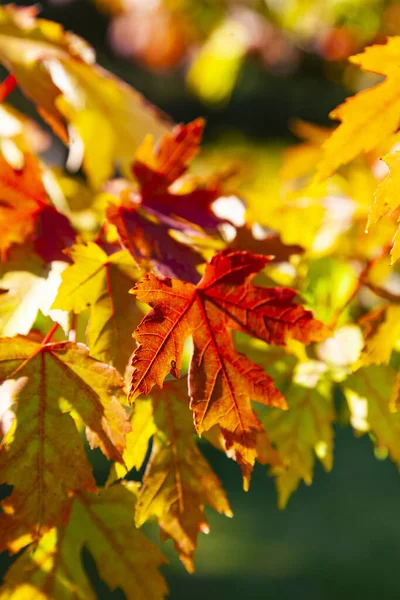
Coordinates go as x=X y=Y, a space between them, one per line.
x=73 y=247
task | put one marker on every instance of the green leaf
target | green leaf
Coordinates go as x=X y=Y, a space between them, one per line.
x=304 y=432
x=369 y=393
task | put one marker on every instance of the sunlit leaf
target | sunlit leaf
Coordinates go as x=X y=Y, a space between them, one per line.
x=222 y=382
x=301 y=434
x=57 y=70
x=103 y=524
x=57 y=378
x=102 y=282
x=145 y=217
x=369 y=393
x=381 y=333
x=371 y=115
x=26 y=213
x=178 y=481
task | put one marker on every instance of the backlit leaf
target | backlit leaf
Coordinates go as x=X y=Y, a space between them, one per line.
x=178 y=481
x=22 y=197
x=387 y=199
x=148 y=217
x=57 y=70
x=103 y=524
x=56 y=378
x=381 y=333
x=301 y=434
x=222 y=382
x=369 y=393
x=137 y=440
x=26 y=213
x=371 y=115
x=151 y=244
x=102 y=282
x=156 y=169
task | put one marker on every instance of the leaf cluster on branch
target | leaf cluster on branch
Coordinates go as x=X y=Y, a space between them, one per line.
x=106 y=281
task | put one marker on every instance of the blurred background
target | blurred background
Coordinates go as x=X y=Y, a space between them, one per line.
x=251 y=68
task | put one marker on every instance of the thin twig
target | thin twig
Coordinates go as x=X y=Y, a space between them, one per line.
x=382 y=293
x=358 y=285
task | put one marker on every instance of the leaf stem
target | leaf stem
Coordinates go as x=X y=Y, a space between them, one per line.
x=362 y=280
x=50 y=334
x=7 y=86
x=382 y=293
x=72 y=330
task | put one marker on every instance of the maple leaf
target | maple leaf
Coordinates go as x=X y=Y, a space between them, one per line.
x=137 y=441
x=387 y=199
x=57 y=70
x=56 y=378
x=22 y=197
x=102 y=282
x=25 y=211
x=53 y=233
x=23 y=281
x=178 y=481
x=103 y=524
x=300 y=434
x=151 y=244
x=371 y=115
x=297 y=436
x=25 y=133
x=147 y=219
x=270 y=245
x=156 y=169
x=222 y=382
x=381 y=333
x=368 y=393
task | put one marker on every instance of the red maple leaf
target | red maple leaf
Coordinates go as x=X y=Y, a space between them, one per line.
x=222 y=382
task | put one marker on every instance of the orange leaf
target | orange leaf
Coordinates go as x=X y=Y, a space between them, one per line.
x=222 y=382
x=173 y=153
x=145 y=218
x=22 y=197
x=25 y=212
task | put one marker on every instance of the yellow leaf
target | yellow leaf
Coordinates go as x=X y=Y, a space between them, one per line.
x=300 y=159
x=178 y=481
x=387 y=198
x=56 y=378
x=103 y=283
x=103 y=524
x=57 y=71
x=381 y=333
x=371 y=115
x=137 y=440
